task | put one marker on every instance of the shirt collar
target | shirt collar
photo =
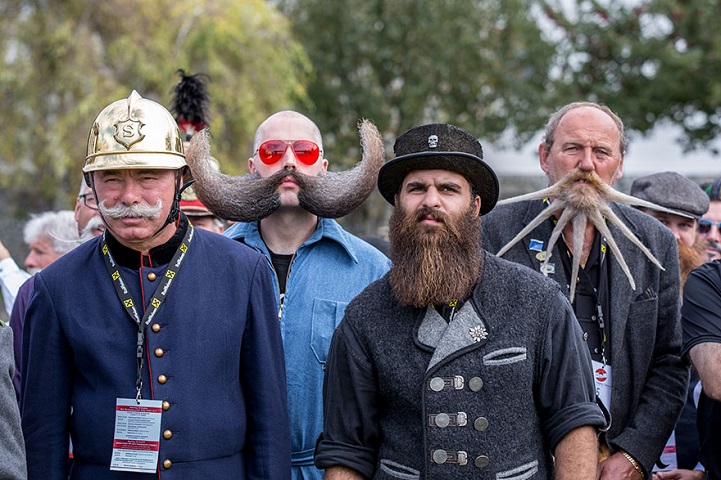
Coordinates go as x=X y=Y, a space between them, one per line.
x=327 y=228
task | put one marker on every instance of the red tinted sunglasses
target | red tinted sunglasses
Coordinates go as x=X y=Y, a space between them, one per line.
x=272 y=151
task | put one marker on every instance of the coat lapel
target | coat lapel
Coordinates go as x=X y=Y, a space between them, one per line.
x=542 y=233
x=465 y=330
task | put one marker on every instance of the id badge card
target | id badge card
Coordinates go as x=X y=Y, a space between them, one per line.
x=136 y=442
x=668 y=457
x=603 y=380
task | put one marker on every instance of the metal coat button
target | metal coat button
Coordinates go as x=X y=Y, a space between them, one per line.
x=152 y=276
x=481 y=461
x=167 y=464
x=442 y=420
x=167 y=434
x=166 y=405
x=440 y=456
x=480 y=424
x=155 y=328
x=159 y=352
x=162 y=379
x=437 y=384
x=475 y=384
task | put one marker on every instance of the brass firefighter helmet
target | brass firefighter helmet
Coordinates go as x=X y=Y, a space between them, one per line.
x=134 y=133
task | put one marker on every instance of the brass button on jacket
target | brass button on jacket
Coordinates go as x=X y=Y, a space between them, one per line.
x=152 y=276
x=162 y=379
x=159 y=352
x=167 y=434
x=155 y=327
x=167 y=464
x=166 y=405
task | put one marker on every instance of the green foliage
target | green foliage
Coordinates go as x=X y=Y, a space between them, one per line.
x=480 y=64
x=652 y=61
x=64 y=61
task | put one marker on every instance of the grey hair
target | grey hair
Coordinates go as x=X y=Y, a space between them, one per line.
x=60 y=228
x=83 y=186
x=555 y=119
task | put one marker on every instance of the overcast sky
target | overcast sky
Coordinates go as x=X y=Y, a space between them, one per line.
x=656 y=153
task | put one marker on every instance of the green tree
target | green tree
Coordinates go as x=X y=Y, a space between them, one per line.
x=651 y=61
x=480 y=64
x=64 y=61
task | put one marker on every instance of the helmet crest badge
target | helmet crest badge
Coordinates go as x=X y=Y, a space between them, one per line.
x=127 y=132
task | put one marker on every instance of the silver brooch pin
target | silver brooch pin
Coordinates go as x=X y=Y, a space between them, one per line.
x=478 y=333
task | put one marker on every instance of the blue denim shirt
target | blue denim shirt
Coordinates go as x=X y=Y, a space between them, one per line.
x=326 y=273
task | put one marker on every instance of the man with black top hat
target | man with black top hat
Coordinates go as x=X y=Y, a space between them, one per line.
x=456 y=364
x=155 y=347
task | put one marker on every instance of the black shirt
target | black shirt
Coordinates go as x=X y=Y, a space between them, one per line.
x=281 y=265
x=701 y=323
x=591 y=303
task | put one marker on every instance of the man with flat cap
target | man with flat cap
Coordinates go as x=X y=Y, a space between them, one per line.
x=689 y=203
x=456 y=364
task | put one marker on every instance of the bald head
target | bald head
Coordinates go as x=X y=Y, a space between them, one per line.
x=557 y=117
x=285 y=125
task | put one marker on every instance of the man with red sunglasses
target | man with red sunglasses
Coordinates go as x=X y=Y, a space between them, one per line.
x=285 y=209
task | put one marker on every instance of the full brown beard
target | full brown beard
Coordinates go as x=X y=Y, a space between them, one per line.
x=434 y=264
x=689 y=258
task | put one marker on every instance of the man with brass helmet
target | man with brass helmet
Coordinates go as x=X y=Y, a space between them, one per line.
x=132 y=344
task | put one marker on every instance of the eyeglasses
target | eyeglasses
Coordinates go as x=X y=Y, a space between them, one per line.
x=89 y=200
x=272 y=151
x=704 y=225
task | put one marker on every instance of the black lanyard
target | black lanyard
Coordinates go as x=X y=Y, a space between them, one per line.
x=161 y=292
x=602 y=282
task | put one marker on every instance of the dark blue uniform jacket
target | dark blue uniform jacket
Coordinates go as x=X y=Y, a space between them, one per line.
x=213 y=354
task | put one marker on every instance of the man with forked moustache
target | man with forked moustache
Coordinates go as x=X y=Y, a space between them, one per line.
x=632 y=332
x=456 y=364
x=285 y=209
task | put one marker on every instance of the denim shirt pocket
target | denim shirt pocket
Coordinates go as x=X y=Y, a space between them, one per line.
x=326 y=316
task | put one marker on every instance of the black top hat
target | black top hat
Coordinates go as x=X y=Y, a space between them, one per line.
x=442 y=147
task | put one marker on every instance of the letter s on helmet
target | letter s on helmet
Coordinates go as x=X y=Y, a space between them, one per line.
x=134 y=133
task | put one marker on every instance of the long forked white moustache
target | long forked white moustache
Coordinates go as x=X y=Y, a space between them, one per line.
x=580 y=206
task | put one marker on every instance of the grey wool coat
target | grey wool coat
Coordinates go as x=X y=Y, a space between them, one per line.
x=488 y=395
x=649 y=377
x=12 y=447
